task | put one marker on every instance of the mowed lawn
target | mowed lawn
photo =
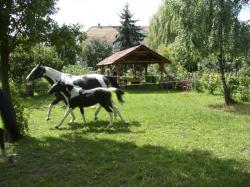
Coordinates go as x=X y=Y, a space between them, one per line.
x=172 y=139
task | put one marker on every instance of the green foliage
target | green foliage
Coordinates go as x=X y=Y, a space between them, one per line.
x=23 y=60
x=95 y=50
x=241 y=84
x=129 y=34
x=75 y=69
x=199 y=30
x=22 y=22
x=67 y=40
x=25 y=21
x=176 y=72
x=210 y=81
x=21 y=116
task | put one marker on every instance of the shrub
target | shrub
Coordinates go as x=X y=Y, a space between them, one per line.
x=21 y=116
x=75 y=69
x=210 y=82
x=242 y=92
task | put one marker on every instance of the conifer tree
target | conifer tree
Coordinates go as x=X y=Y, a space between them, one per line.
x=129 y=34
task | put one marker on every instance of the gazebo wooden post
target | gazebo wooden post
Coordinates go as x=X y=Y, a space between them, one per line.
x=117 y=67
x=146 y=72
x=161 y=70
x=161 y=64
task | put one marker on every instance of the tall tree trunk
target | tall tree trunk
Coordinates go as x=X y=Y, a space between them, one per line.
x=226 y=89
x=5 y=47
x=4 y=71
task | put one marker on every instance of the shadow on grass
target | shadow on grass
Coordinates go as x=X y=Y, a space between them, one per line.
x=239 y=108
x=73 y=160
x=100 y=127
x=41 y=101
x=158 y=91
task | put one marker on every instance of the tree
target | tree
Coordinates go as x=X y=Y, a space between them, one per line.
x=21 y=22
x=129 y=34
x=67 y=40
x=23 y=60
x=202 y=28
x=95 y=50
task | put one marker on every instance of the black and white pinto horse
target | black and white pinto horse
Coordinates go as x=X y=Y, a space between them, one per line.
x=9 y=122
x=86 y=82
x=78 y=97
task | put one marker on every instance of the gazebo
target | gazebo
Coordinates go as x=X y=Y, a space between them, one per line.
x=135 y=55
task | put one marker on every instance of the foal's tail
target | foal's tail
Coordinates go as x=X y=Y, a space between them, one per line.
x=9 y=117
x=118 y=92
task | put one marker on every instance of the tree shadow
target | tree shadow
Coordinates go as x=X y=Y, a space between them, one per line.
x=73 y=160
x=239 y=108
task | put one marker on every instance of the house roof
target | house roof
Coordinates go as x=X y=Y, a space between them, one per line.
x=106 y=33
x=139 y=54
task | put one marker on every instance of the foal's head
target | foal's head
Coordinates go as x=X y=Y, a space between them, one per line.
x=60 y=87
x=36 y=72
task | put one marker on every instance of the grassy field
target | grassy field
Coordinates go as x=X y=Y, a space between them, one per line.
x=172 y=139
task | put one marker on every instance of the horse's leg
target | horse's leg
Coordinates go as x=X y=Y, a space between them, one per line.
x=108 y=108
x=52 y=104
x=110 y=119
x=64 y=117
x=117 y=112
x=73 y=117
x=83 y=116
x=97 y=111
x=66 y=104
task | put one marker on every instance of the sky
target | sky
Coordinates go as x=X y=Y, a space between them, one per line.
x=106 y=12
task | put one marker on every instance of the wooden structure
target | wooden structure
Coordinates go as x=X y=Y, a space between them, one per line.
x=135 y=55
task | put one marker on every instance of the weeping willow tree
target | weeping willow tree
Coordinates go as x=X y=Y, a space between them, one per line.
x=196 y=29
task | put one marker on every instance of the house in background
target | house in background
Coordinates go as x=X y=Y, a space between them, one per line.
x=107 y=33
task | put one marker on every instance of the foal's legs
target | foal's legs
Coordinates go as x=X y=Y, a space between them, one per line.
x=97 y=111
x=110 y=119
x=116 y=111
x=53 y=103
x=65 y=115
x=83 y=116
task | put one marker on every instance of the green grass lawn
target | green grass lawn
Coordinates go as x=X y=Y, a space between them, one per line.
x=172 y=139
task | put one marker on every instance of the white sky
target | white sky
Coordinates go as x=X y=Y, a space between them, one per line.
x=106 y=12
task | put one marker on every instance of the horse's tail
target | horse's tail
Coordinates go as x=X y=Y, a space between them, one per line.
x=9 y=117
x=113 y=81
x=118 y=92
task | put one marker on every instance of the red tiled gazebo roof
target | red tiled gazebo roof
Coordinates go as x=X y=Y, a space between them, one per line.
x=135 y=55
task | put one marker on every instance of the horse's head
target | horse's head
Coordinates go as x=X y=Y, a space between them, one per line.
x=36 y=72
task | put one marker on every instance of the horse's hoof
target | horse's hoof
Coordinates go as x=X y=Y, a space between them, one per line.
x=47 y=119
x=56 y=127
x=96 y=119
